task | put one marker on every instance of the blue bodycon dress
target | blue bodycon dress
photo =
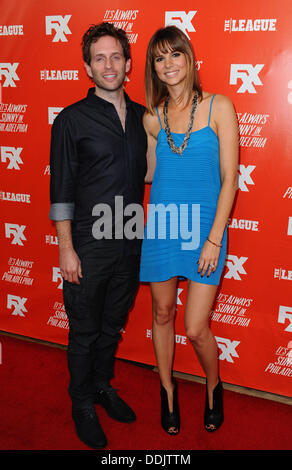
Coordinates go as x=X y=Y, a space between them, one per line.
x=182 y=207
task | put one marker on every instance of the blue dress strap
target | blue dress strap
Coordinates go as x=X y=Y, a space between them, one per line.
x=158 y=117
x=210 y=109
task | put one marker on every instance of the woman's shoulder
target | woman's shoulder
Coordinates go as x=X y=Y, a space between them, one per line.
x=150 y=122
x=221 y=106
x=218 y=99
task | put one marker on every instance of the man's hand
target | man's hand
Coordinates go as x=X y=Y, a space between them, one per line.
x=70 y=265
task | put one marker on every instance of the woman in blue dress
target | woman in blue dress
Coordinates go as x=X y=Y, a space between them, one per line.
x=193 y=167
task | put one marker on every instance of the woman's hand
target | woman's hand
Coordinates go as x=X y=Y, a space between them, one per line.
x=208 y=260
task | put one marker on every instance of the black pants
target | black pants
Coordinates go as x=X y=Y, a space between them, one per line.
x=97 y=310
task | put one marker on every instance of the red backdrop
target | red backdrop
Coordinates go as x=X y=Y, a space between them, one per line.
x=243 y=50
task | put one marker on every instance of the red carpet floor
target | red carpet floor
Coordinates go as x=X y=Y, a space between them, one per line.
x=36 y=412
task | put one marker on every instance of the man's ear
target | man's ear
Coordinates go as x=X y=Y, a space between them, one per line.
x=128 y=65
x=88 y=70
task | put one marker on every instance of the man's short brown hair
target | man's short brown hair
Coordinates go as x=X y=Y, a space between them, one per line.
x=97 y=31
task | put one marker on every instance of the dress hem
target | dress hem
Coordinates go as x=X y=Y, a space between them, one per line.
x=183 y=278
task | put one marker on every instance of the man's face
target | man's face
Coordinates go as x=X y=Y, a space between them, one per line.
x=108 y=66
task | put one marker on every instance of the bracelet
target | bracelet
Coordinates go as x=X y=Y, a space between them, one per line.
x=219 y=246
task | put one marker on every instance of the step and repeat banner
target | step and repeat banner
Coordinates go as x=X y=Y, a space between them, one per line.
x=243 y=50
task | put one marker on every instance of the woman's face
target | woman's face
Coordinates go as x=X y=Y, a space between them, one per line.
x=170 y=67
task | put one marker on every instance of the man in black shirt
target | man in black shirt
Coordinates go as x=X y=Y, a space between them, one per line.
x=98 y=153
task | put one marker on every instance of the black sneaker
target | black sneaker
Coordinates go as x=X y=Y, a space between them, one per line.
x=115 y=407
x=88 y=428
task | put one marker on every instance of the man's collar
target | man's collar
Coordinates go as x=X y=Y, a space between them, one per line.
x=93 y=98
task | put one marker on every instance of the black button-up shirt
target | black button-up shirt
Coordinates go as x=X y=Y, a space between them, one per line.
x=92 y=161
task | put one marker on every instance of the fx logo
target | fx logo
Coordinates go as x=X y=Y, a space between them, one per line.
x=57 y=277
x=289 y=231
x=13 y=155
x=8 y=71
x=228 y=348
x=16 y=231
x=248 y=74
x=235 y=267
x=181 y=20
x=59 y=24
x=285 y=313
x=16 y=302
x=244 y=176
x=53 y=113
x=178 y=292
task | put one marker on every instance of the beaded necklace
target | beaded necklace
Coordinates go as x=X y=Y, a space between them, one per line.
x=170 y=141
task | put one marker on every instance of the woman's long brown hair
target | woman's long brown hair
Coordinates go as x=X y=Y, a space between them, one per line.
x=167 y=39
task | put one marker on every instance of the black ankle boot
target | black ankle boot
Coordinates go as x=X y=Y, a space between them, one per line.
x=213 y=418
x=169 y=419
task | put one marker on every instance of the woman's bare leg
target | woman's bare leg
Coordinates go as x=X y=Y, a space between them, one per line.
x=197 y=317
x=164 y=296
